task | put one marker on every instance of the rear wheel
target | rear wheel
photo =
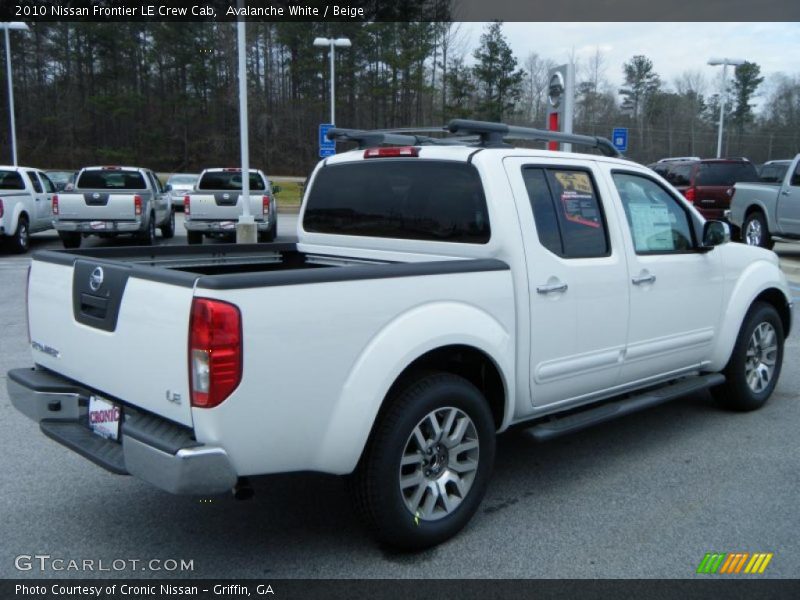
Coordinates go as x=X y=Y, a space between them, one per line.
x=426 y=467
x=20 y=241
x=168 y=229
x=269 y=235
x=148 y=236
x=755 y=364
x=70 y=239
x=194 y=237
x=755 y=231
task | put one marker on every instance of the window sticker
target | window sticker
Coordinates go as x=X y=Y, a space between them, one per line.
x=651 y=227
x=577 y=198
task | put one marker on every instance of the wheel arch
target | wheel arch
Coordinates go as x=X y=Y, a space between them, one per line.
x=421 y=339
x=752 y=287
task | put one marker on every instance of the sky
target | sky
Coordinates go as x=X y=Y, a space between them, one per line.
x=673 y=47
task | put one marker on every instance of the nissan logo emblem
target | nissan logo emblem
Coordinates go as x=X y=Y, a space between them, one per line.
x=226 y=196
x=95 y=196
x=96 y=279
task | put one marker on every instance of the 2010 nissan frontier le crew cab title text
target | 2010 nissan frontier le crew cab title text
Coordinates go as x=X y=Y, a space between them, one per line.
x=441 y=291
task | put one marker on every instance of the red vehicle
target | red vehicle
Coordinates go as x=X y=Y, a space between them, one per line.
x=708 y=183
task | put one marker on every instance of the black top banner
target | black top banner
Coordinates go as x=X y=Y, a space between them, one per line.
x=400 y=11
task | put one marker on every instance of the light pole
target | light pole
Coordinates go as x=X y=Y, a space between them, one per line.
x=714 y=62
x=341 y=42
x=246 y=232
x=22 y=27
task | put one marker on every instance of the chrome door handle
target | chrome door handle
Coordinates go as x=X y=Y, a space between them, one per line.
x=786 y=192
x=551 y=288
x=640 y=279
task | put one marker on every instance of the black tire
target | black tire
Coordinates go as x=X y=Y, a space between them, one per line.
x=70 y=239
x=168 y=229
x=376 y=483
x=755 y=231
x=194 y=237
x=269 y=235
x=148 y=236
x=740 y=391
x=21 y=240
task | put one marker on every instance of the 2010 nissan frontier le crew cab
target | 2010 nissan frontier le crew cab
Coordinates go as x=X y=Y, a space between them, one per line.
x=441 y=291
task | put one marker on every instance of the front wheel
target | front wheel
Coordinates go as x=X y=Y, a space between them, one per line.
x=755 y=231
x=426 y=467
x=755 y=364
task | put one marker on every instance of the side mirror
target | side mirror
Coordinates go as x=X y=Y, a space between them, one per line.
x=168 y=187
x=716 y=233
x=276 y=189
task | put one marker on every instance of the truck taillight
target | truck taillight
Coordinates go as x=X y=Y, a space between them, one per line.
x=265 y=205
x=690 y=194
x=55 y=204
x=186 y=205
x=215 y=351
x=137 y=205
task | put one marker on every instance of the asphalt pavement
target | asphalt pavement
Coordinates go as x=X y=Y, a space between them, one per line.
x=643 y=497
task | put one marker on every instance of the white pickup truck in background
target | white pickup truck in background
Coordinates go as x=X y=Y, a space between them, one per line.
x=26 y=195
x=215 y=205
x=110 y=201
x=766 y=210
x=440 y=293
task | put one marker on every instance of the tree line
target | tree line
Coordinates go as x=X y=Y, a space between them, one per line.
x=164 y=95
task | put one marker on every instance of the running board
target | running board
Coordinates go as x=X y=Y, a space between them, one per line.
x=558 y=426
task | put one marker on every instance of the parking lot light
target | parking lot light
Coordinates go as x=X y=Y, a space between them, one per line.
x=333 y=43
x=714 y=62
x=6 y=26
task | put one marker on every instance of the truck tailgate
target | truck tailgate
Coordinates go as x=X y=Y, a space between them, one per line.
x=218 y=206
x=97 y=205
x=126 y=338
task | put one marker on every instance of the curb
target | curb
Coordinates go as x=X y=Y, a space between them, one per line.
x=289 y=210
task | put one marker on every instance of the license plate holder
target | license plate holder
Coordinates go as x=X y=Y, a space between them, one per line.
x=104 y=418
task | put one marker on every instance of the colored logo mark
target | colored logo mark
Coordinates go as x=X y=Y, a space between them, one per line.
x=722 y=563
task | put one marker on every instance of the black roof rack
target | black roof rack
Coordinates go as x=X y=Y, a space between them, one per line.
x=494 y=135
x=478 y=133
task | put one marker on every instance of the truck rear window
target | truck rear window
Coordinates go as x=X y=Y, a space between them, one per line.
x=719 y=174
x=409 y=199
x=11 y=180
x=112 y=179
x=229 y=180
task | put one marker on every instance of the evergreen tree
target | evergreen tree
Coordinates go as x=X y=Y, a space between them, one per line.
x=496 y=74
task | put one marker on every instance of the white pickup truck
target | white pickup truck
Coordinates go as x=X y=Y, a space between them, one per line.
x=215 y=204
x=25 y=199
x=441 y=291
x=766 y=210
x=111 y=201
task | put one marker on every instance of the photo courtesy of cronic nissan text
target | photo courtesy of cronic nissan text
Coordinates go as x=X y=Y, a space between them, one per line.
x=371 y=299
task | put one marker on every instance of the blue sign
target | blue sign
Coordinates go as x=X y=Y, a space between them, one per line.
x=324 y=142
x=326 y=152
x=619 y=137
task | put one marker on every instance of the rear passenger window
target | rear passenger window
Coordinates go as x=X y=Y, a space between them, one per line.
x=567 y=212
x=37 y=186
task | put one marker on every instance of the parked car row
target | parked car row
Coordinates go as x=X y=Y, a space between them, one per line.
x=108 y=201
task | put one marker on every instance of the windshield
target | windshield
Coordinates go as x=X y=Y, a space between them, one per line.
x=406 y=198
x=182 y=179
x=229 y=180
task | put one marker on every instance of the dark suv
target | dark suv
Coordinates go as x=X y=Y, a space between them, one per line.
x=708 y=183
